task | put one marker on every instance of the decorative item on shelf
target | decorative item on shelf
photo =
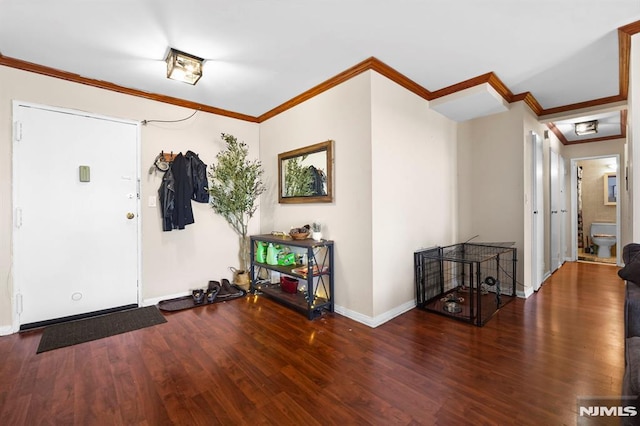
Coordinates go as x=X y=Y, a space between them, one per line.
x=288 y=284
x=280 y=234
x=316 y=233
x=304 y=270
x=272 y=254
x=234 y=188
x=261 y=252
x=300 y=233
x=286 y=257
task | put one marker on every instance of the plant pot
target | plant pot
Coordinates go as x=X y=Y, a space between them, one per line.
x=241 y=279
x=317 y=236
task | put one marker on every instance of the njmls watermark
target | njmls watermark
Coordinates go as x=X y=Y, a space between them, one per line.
x=608 y=410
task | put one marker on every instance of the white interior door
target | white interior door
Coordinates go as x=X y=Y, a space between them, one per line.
x=562 y=216
x=76 y=213
x=555 y=223
x=537 y=219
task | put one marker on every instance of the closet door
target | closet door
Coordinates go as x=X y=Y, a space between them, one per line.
x=537 y=218
x=558 y=210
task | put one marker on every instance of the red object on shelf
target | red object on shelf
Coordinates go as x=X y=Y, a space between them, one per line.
x=288 y=284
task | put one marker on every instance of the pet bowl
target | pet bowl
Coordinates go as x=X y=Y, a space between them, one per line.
x=452 y=307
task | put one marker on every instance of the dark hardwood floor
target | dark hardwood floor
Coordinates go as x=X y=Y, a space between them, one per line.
x=252 y=361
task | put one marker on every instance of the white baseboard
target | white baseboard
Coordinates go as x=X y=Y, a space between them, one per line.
x=373 y=322
x=6 y=330
x=523 y=294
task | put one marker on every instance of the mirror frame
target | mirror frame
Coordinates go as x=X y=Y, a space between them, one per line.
x=327 y=147
x=608 y=176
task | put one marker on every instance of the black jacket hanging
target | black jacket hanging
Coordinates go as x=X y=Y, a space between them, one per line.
x=175 y=196
x=197 y=172
x=167 y=196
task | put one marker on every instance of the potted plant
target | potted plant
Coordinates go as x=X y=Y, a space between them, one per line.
x=234 y=187
x=316 y=233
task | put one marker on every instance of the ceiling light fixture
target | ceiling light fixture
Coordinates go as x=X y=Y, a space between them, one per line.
x=183 y=66
x=586 y=127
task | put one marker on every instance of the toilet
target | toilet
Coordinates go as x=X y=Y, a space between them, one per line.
x=603 y=235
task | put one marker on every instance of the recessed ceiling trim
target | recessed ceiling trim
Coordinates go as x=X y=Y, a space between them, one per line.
x=489 y=78
x=622 y=135
x=530 y=100
x=577 y=113
x=473 y=102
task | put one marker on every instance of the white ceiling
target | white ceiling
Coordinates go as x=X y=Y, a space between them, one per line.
x=261 y=53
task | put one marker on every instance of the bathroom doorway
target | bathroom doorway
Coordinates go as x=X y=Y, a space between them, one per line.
x=596 y=209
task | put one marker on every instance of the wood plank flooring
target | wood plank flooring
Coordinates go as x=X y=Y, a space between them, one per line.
x=252 y=361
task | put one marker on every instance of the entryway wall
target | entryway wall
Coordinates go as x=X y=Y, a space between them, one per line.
x=172 y=262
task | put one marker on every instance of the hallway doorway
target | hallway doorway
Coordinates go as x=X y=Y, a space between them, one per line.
x=596 y=218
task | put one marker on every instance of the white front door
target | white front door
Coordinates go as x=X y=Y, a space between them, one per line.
x=76 y=213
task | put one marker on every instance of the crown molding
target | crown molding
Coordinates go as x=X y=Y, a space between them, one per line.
x=371 y=63
x=624 y=41
x=75 y=78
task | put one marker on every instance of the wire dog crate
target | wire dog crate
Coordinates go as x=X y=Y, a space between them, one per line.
x=468 y=281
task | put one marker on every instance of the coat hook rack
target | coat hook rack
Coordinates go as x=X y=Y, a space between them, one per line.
x=168 y=157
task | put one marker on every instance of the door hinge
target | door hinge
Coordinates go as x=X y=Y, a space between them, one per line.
x=17 y=131
x=18 y=219
x=19 y=303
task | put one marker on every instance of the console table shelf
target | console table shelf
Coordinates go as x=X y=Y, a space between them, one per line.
x=317 y=294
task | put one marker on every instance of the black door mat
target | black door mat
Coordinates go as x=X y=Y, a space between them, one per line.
x=227 y=292
x=88 y=329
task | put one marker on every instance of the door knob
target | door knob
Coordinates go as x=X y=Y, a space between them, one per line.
x=130 y=215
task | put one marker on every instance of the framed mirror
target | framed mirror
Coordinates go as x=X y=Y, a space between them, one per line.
x=610 y=189
x=305 y=175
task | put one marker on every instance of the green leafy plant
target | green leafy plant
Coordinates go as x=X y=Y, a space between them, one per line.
x=298 y=179
x=234 y=187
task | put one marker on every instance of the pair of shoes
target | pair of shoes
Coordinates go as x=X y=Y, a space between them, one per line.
x=198 y=296
x=229 y=291
x=212 y=291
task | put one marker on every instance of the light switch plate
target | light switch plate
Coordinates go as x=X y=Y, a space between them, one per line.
x=152 y=201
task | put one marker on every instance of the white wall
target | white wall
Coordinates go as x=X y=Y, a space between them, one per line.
x=492 y=180
x=395 y=186
x=172 y=262
x=343 y=114
x=414 y=201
